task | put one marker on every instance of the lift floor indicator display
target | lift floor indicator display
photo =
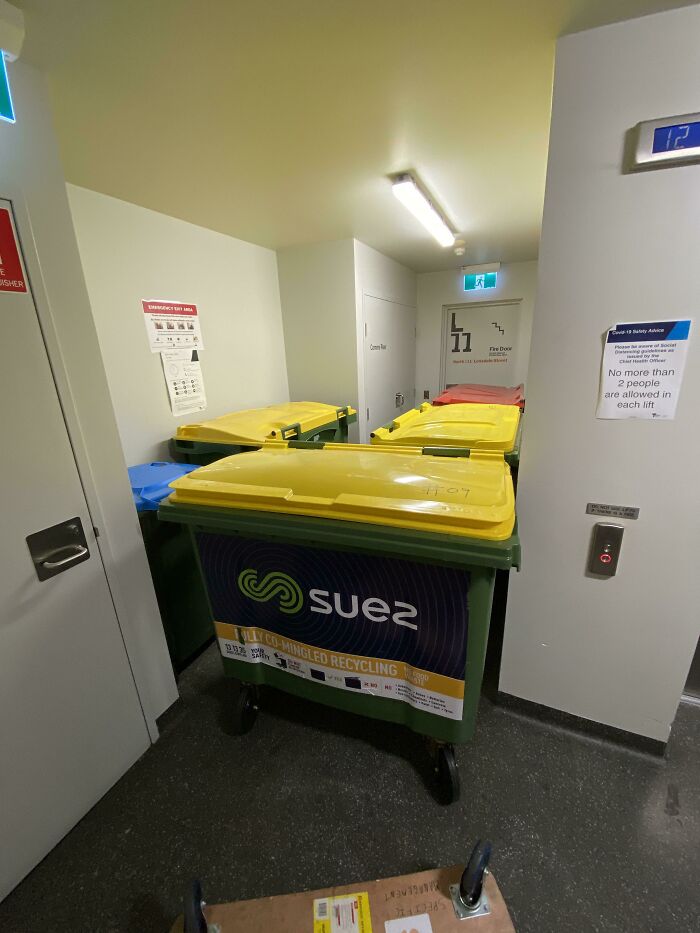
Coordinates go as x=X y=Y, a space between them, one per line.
x=668 y=141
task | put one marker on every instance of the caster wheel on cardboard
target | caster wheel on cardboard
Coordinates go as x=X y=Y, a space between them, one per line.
x=195 y=921
x=472 y=880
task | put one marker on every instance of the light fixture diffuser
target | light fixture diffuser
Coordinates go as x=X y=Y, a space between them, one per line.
x=407 y=190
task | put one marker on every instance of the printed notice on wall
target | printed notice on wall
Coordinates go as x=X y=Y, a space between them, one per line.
x=172 y=324
x=642 y=370
x=183 y=375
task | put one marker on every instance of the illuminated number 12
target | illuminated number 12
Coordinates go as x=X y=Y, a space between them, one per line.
x=679 y=139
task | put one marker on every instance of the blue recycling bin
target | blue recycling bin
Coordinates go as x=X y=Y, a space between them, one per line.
x=150 y=482
x=182 y=599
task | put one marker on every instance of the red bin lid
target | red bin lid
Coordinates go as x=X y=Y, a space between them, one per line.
x=481 y=394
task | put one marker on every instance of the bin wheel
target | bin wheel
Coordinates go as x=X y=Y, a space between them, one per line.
x=447 y=773
x=245 y=710
x=195 y=921
x=472 y=880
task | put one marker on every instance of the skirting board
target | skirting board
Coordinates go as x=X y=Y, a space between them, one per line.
x=598 y=730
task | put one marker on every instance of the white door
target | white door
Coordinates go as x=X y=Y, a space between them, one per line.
x=480 y=343
x=70 y=718
x=389 y=359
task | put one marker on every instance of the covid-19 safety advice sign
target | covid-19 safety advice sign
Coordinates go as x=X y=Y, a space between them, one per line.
x=642 y=370
x=372 y=625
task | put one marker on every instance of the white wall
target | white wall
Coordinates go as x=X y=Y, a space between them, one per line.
x=435 y=289
x=317 y=289
x=614 y=248
x=130 y=253
x=30 y=156
x=382 y=277
x=321 y=287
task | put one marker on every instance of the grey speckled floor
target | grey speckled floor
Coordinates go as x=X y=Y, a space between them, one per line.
x=587 y=836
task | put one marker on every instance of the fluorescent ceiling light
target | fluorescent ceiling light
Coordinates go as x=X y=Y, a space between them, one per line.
x=407 y=191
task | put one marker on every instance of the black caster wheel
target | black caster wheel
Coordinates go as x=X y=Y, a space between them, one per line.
x=472 y=881
x=447 y=773
x=245 y=710
x=195 y=921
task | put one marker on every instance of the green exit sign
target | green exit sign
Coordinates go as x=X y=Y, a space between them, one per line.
x=7 y=111
x=476 y=282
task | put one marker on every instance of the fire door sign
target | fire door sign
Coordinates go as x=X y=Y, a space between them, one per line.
x=480 y=343
x=11 y=273
x=372 y=625
x=172 y=325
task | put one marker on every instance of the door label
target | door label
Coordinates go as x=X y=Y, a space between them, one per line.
x=11 y=274
x=612 y=511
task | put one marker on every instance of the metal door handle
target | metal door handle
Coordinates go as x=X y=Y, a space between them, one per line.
x=78 y=552
x=59 y=548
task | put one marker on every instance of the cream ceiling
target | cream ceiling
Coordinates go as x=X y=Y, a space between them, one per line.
x=277 y=121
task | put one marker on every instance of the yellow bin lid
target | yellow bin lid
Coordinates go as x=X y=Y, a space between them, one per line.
x=471 y=496
x=254 y=425
x=478 y=427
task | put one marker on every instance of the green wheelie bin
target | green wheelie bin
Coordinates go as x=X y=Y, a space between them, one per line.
x=242 y=431
x=358 y=577
x=182 y=600
x=456 y=429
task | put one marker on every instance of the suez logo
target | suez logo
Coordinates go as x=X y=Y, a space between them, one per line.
x=373 y=608
x=291 y=600
x=272 y=584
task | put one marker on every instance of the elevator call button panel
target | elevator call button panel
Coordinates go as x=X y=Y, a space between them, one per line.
x=605 y=549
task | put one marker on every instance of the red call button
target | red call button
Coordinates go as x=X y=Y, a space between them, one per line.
x=605 y=558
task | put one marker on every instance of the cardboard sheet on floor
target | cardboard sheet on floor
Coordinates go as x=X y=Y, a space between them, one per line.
x=420 y=901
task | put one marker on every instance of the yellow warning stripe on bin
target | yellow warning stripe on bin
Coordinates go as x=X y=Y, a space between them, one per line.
x=348 y=664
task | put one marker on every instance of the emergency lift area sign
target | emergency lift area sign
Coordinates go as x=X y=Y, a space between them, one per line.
x=642 y=369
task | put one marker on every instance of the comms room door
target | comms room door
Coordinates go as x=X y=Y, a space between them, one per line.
x=389 y=360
